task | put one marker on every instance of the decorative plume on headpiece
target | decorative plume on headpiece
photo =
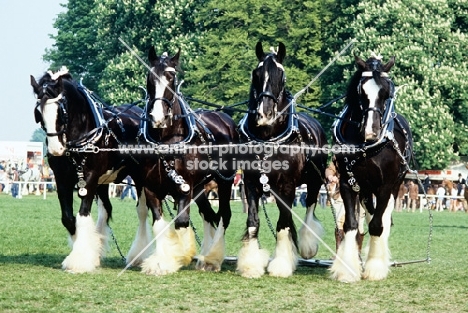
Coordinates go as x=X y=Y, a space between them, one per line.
x=164 y=54
x=62 y=71
x=378 y=57
x=272 y=49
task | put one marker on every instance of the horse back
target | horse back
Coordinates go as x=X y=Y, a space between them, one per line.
x=314 y=136
x=125 y=121
x=310 y=127
x=403 y=136
x=221 y=125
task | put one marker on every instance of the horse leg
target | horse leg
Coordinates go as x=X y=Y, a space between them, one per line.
x=65 y=196
x=311 y=229
x=65 y=185
x=172 y=250
x=378 y=260
x=285 y=257
x=210 y=220
x=140 y=249
x=182 y=227
x=252 y=260
x=347 y=264
x=213 y=248
x=87 y=248
x=104 y=215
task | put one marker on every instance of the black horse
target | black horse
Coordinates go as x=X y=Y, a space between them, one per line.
x=183 y=169
x=74 y=122
x=290 y=156
x=377 y=147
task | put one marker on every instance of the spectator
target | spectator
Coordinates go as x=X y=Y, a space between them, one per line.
x=426 y=183
x=3 y=177
x=413 y=196
x=128 y=187
x=453 y=202
x=14 y=185
x=400 y=198
x=440 y=193
x=333 y=187
x=323 y=196
x=460 y=185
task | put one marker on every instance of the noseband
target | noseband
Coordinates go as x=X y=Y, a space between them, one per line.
x=268 y=94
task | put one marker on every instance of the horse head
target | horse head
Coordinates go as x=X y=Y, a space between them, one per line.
x=267 y=93
x=373 y=92
x=51 y=109
x=161 y=83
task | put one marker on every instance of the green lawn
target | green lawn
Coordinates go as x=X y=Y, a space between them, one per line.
x=34 y=243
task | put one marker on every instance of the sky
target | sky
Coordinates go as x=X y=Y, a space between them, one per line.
x=24 y=36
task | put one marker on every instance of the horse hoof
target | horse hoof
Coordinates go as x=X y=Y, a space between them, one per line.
x=252 y=274
x=202 y=266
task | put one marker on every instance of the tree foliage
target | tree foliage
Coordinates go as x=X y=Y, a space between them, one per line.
x=217 y=40
x=431 y=63
x=221 y=71
x=93 y=34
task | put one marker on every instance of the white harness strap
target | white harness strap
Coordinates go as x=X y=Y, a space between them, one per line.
x=63 y=70
x=369 y=74
x=279 y=65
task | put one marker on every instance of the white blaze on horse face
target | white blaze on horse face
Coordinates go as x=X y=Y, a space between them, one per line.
x=157 y=114
x=262 y=119
x=372 y=91
x=49 y=118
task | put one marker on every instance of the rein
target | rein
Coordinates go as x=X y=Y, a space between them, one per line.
x=229 y=108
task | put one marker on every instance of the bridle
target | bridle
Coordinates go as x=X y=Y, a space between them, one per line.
x=62 y=114
x=168 y=102
x=366 y=75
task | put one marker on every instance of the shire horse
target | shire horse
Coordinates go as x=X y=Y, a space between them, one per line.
x=72 y=121
x=273 y=122
x=382 y=143
x=170 y=122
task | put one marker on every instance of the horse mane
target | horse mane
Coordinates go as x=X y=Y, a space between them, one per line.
x=275 y=76
x=352 y=96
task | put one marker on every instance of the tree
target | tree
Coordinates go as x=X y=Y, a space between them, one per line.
x=75 y=42
x=38 y=135
x=221 y=72
x=91 y=36
x=435 y=98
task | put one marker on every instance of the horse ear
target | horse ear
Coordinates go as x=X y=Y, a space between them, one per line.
x=389 y=65
x=152 y=55
x=281 y=52
x=259 y=52
x=175 y=58
x=360 y=63
x=35 y=85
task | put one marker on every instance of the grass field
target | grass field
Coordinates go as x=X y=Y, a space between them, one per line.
x=33 y=243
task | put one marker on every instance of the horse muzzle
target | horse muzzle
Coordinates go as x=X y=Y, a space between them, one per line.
x=371 y=136
x=55 y=149
x=265 y=119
